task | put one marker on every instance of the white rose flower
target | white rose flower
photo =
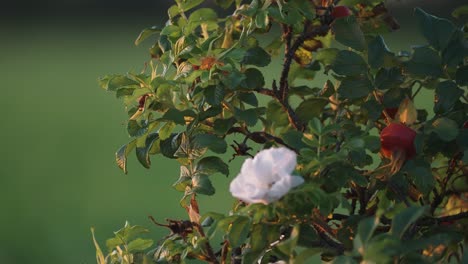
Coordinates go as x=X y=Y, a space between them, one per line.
x=267 y=177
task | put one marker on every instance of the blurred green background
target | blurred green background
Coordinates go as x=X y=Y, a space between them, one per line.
x=58 y=175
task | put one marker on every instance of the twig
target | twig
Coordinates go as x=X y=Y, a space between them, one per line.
x=284 y=86
x=290 y=50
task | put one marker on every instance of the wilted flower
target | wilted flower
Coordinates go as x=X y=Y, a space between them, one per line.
x=267 y=177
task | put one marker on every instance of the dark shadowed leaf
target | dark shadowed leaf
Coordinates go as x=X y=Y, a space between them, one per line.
x=310 y=108
x=378 y=52
x=211 y=165
x=214 y=143
x=145 y=33
x=142 y=153
x=447 y=94
x=462 y=75
x=214 y=94
x=425 y=62
x=256 y=56
x=249 y=98
x=445 y=128
x=436 y=30
x=170 y=145
x=354 y=87
x=249 y=116
x=253 y=79
x=388 y=78
x=349 y=63
x=222 y=126
x=404 y=219
x=348 y=33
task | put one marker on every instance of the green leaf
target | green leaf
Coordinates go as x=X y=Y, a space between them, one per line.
x=348 y=33
x=315 y=126
x=365 y=230
x=210 y=112
x=177 y=116
x=185 y=179
x=116 y=81
x=166 y=130
x=253 y=79
x=211 y=165
x=222 y=126
x=436 y=30
x=258 y=240
x=420 y=172
x=214 y=143
x=171 y=32
x=122 y=154
x=378 y=52
x=239 y=230
x=249 y=98
x=139 y=244
x=134 y=129
x=224 y=3
x=128 y=232
x=248 y=116
x=447 y=94
x=460 y=11
x=214 y=94
x=349 y=63
x=327 y=56
x=404 y=219
x=344 y=260
x=354 y=87
x=445 y=128
x=276 y=115
x=425 y=62
x=145 y=33
x=186 y=5
x=306 y=254
x=233 y=80
x=142 y=153
x=287 y=246
x=170 y=145
x=310 y=108
x=201 y=184
x=256 y=56
x=388 y=78
x=462 y=75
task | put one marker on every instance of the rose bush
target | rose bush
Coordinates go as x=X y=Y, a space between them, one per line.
x=338 y=176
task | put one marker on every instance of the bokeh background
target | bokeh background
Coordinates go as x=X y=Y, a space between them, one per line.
x=59 y=130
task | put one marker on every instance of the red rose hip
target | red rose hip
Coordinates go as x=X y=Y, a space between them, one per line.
x=340 y=11
x=397 y=144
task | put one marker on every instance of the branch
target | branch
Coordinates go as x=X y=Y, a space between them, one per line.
x=287 y=32
x=290 y=50
x=260 y=137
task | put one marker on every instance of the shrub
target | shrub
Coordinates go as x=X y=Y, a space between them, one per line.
x=319 y=186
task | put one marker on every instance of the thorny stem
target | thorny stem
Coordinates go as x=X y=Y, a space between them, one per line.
x=260 y=137
x=284 y=86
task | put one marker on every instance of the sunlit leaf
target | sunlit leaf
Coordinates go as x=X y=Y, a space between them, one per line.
x=122 y=154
